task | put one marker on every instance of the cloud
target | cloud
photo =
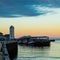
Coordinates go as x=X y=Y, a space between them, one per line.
x=20 y=8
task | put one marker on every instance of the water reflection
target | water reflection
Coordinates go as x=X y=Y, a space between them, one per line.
x=26 y=52
x=39 y=53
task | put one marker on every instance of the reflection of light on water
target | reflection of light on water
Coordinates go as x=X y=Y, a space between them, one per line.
x=55 y=49
x=27 y=51
x=36 y=53
x=39 y=57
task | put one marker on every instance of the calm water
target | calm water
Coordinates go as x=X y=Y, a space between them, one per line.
x=35 y=53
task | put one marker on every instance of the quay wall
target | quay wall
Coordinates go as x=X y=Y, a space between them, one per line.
x=12 y=49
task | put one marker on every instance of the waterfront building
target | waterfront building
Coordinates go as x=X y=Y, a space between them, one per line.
x=11 y=32
x=1 y=36
x=7 y=37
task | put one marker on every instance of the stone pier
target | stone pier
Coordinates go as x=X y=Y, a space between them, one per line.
x=12 y=49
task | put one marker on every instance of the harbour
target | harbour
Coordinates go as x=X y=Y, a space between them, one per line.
x=35 y=53
x=9 y=49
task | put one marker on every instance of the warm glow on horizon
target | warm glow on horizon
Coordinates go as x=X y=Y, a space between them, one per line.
x=53 y=32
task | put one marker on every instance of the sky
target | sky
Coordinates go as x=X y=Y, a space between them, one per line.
x=30 y=17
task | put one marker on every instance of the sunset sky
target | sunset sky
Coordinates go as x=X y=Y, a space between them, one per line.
x=30 y=17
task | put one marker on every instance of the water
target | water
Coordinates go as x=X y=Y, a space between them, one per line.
x=36 y=53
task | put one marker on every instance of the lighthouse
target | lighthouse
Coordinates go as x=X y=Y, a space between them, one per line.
x=11 y=32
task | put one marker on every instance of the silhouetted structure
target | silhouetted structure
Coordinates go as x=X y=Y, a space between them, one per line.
x=35 y=40
x=12 y=49
x=2 y=36
x=7 y=37
x=11 y=32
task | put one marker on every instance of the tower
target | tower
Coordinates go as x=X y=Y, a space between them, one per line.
x=11 y=32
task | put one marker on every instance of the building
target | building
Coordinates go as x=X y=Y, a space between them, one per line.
x=1 y=34
x=11 y=32
x=2 y=38
x=7 y=37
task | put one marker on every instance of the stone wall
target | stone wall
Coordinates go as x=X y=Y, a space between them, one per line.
x=12 y=49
